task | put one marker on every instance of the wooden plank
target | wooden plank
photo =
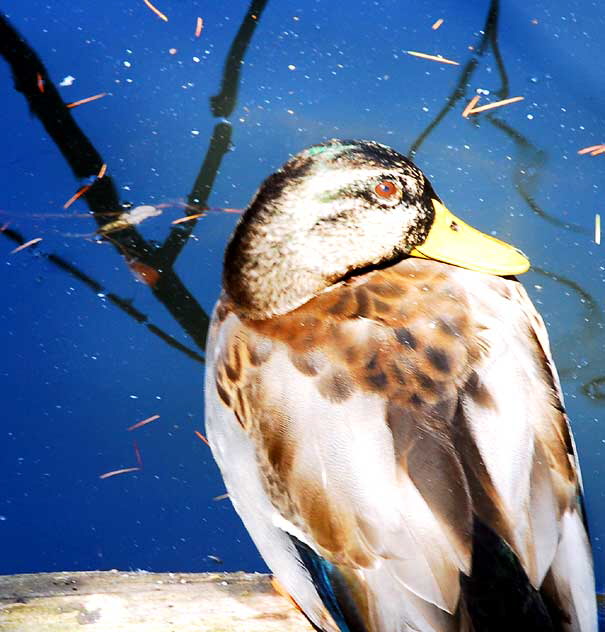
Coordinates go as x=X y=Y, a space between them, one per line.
x=115 y=601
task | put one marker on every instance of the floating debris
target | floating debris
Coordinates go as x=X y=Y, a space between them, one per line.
x=597 y=229
x=215 y=558
x=80 y=192
x=67 y=81
x=221 y=497
x=589 y=150
x=596 y=152
x=437 y=24
x=130 y=218
x=94 y=97
x=496 y=104
x=124 y=470
x=202 y=437
x=156 y=11
x=40 y=82
x=144 y=422
x=470 y=105
x=443 y=60
x=27 y=244
x=137 y=453
x=181 y=220
x=199 y=25
x=102 y=171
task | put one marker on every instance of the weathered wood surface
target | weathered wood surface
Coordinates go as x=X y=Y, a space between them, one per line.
x=115 y=601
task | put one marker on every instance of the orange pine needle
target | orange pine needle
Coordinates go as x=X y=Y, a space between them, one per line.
x=199 y=25
x=27 y=244
x=122 y=471
x=81 y=191
x=496 y=104
x=156 y=11
x=221 y=497
x=588 y=150
x=94 y=97
x=596 y=152
x=102 y=171
x=137 y=453
x=470 y=105
x=437 y=24
x=180 y=220
x=40 y=82
x=143 y=423
x=202 y=437
x=443 y=60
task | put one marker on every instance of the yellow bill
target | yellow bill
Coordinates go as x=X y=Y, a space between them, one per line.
x=452 y=241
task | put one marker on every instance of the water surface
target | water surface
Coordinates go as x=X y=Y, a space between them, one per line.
x=89 y=348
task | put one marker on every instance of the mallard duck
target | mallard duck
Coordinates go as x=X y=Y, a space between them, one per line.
x=384 y=408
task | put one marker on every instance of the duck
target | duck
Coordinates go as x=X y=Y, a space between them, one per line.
x=382 y=403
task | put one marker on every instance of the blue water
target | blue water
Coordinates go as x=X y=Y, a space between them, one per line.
x=80 y=362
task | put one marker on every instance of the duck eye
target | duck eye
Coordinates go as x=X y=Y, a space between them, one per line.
x=386 y=189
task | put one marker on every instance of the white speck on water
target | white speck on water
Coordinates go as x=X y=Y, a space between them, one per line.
x=196 y=60
x=291 y=67
x=127 y=64
x=133 y=396
x=67 y=81
x=195 y=132
x=530 y=117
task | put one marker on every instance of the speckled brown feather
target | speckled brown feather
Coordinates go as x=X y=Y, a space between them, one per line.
x=380 y=334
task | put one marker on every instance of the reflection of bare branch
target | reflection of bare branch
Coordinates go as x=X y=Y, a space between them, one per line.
x=223 y=103
x=102 y=196
x=530 y=156
x=489 y=36
x=97 y=288
x=219 y=145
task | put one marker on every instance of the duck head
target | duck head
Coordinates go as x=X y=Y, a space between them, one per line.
x=339 y=209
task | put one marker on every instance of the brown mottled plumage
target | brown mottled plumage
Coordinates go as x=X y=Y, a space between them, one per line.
x=390 y=429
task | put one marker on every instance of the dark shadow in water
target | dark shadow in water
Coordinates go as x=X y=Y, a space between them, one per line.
x=102 y=198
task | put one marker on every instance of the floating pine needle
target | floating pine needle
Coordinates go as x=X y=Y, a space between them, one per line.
x=597 y=229
x=221 y=497
x=102 y=171
x=137 y=453
x=144 y=422
x=202 y=437
x=437 y=24
x=81 y=191
x=122 y=471
x=27 y=244
x=199 y=25
x=40 y=82
x=496 y=104
x=443 y=60
x=156 y=11
x=181 y=220
x=589 y=150
x=74 y=104
x=596 y=152
x=4 y=226
x=470 y=105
